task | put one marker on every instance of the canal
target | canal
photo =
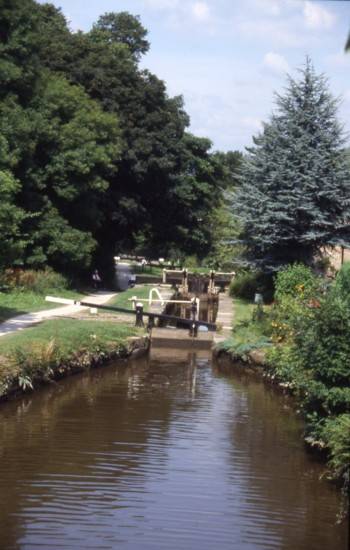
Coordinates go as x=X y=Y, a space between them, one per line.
x=154 y=454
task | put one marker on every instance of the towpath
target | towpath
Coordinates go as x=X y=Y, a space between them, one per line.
x=28 y=319
x=224 y=317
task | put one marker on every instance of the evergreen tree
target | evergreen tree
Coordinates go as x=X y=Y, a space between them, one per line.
x=294 y=197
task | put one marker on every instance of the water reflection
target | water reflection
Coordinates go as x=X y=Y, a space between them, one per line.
x=155 y=454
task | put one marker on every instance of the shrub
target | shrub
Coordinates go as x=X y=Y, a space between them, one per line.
x=47 y=280
x=247 y=283
x=336 y=433
x=38 y=281
x=314 y=360
x=342 y=283
x=298 y=294
x=244 y=285
x=191 y=261
x=315 y=363
x=297 y=281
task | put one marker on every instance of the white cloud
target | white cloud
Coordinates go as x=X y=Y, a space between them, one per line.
x=317 y=17
x=276 y=63
x=200 y=11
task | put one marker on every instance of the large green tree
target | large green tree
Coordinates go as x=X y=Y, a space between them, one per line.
x=294 y=197
x=98 y=156
x=12 y=217
x=62 y=149
x=168 y=181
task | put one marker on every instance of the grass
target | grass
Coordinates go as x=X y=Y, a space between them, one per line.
x=247 y=334
x=122 y=298
x=69 y=335
x=243 y=310
x=147 y=270
x=17 y=302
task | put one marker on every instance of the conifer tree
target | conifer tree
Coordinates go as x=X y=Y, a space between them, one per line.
x=294 y=197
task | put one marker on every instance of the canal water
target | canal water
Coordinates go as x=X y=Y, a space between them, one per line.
x=152 y=455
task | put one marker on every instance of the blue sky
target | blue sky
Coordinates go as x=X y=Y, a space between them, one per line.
x=227 y=57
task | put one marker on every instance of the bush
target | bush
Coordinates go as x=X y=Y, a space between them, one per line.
x=315 y=363
x=342 y=284
x=191 y=261
x=336 y=433
x=314 y=360
x=244 y=285
x=247 y=283
x=37 y=281
x=298 y=294
x=297 y=281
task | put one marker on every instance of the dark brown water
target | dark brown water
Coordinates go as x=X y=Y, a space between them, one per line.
x=160 y=456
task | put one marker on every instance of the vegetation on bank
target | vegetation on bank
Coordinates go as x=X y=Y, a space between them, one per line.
x=24 y=291
x=58 y=347
x=312 y=328
x=306 y=336
x=249 y=333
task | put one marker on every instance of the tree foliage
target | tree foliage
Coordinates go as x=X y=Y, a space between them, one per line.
x=294 y=196
x=97 y=151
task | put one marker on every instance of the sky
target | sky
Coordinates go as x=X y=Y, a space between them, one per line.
x=227 y=58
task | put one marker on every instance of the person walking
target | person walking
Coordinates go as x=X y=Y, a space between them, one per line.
x=96 y=279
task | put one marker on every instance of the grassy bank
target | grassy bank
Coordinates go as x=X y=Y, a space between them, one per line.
x=248 y=334
x=122 y=299
x=56 y=348
x=24 y=290
x=18 y=302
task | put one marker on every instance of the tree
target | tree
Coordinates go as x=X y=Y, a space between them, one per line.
x=95 y=146
x=160 y=162
x=294 y=197
x=59 y=149
x=11 y=220
x=123 y=28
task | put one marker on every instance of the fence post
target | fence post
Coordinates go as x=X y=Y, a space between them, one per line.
x=150 y=324
x=164 y=276
x=193 y=326
x=184 y=281
x=211 y=282
x=139 y=315
x=193 y=330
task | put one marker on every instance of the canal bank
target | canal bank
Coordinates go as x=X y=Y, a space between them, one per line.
x=60 y=348
x=69 y=340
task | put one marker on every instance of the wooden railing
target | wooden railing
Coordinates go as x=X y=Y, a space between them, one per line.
x=192 y=324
